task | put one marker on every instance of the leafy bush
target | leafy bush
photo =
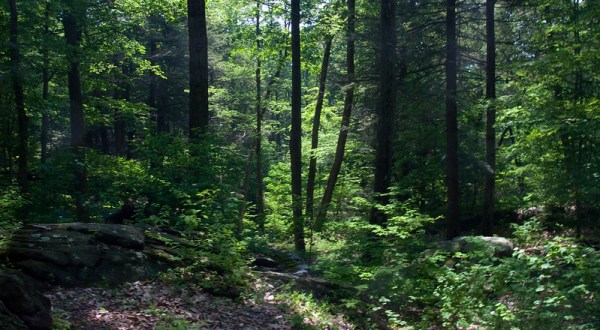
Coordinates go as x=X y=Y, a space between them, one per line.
x=11 y=201
x=214 y=258
x=548 y=283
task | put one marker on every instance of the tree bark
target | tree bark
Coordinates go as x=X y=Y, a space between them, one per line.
x=198 y=49
x=385 y=109
x=45 y=129
x=22 y=118
x=312 y=167
x=260 y=195
x=342 y=137
x=296 y=132
x=73 y=38
x=453 y=191
x=490 y=130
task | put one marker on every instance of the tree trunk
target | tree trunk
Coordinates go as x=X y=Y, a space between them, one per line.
x=312 y=167
x=119 y=126
x=490 y=130
x=385 y=109
x=452 y=213
x=296 y=131
x=244 y=202
x=260 y=195
x=198 y=48
x=341 y=144
x=44 y=138
x=73 y=38
x=163 y=104
x=17 y=75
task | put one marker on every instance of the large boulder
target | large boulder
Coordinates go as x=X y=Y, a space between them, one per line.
x=497 y=246
x=82 y=254
x=22 y=305
x=8 y=320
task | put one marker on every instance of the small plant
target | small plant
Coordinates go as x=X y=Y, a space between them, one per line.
x=11 y=201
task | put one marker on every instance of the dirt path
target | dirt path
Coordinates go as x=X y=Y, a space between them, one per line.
x=157 y=305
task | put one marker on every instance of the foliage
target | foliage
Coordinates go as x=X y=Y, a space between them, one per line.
x=547 y=283
x=134 y=84
x=11 y=204
x=214 y=256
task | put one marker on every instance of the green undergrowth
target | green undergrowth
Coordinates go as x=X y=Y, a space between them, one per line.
x=549 y=282
x=305 y=312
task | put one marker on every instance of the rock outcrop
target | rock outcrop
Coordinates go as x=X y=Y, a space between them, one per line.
x=84 y=254
x=496 y=246
x=22 y=304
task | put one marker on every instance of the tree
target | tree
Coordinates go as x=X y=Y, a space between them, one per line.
x=312 y=167
x=296 y=131
x=490 y=130
x=198 y=48
x=260 y=194
x=45 y=126
x=452 y=183
x=345 y=126
x=17 y=75
x=385 y=109
x=74 y=13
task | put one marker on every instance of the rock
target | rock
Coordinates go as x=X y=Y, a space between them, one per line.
x=8 y=320
x=21 y=296
x=265 y=262
x=83 y=254
x=498 y=246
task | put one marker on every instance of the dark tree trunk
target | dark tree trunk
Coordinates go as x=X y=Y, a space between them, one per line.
x=158 y=96
x=198 y=48
x=490 y=130
x=260 y=195
x=152 y=78
x=121 y=92
x=244 y=201
x=163 y=104
x=17 y=75
x=105 y=143
x=341 y=144
x=44 y=138
x=119 y=132
x=453 y=191
x=385 y=109
x=296 y=131
x=312 y=167
x=73 y=38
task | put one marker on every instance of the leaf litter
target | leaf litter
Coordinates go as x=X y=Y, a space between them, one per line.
x=160 y=305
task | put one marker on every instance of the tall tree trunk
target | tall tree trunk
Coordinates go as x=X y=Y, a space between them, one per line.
x=260 y=195
x=44 y=138
x=385 y=109
x=198 y=48
x=244 y=201
x=453 y=191
x=119 y=125
x=341 y=144
x=152 y=78
x=73 y=38
x=17 y=75
x=163 y=104
x=578 y=146
x=296 y=131
x=490 y=130
x=312 y=167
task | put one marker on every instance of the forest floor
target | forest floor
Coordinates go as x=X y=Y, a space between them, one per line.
x=161 y=305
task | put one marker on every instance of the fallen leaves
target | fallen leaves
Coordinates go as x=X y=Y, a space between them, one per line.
x=159 y=305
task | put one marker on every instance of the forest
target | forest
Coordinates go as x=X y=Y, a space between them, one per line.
x=314 y=164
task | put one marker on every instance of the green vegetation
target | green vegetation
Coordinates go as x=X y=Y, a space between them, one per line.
x=433 y=120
